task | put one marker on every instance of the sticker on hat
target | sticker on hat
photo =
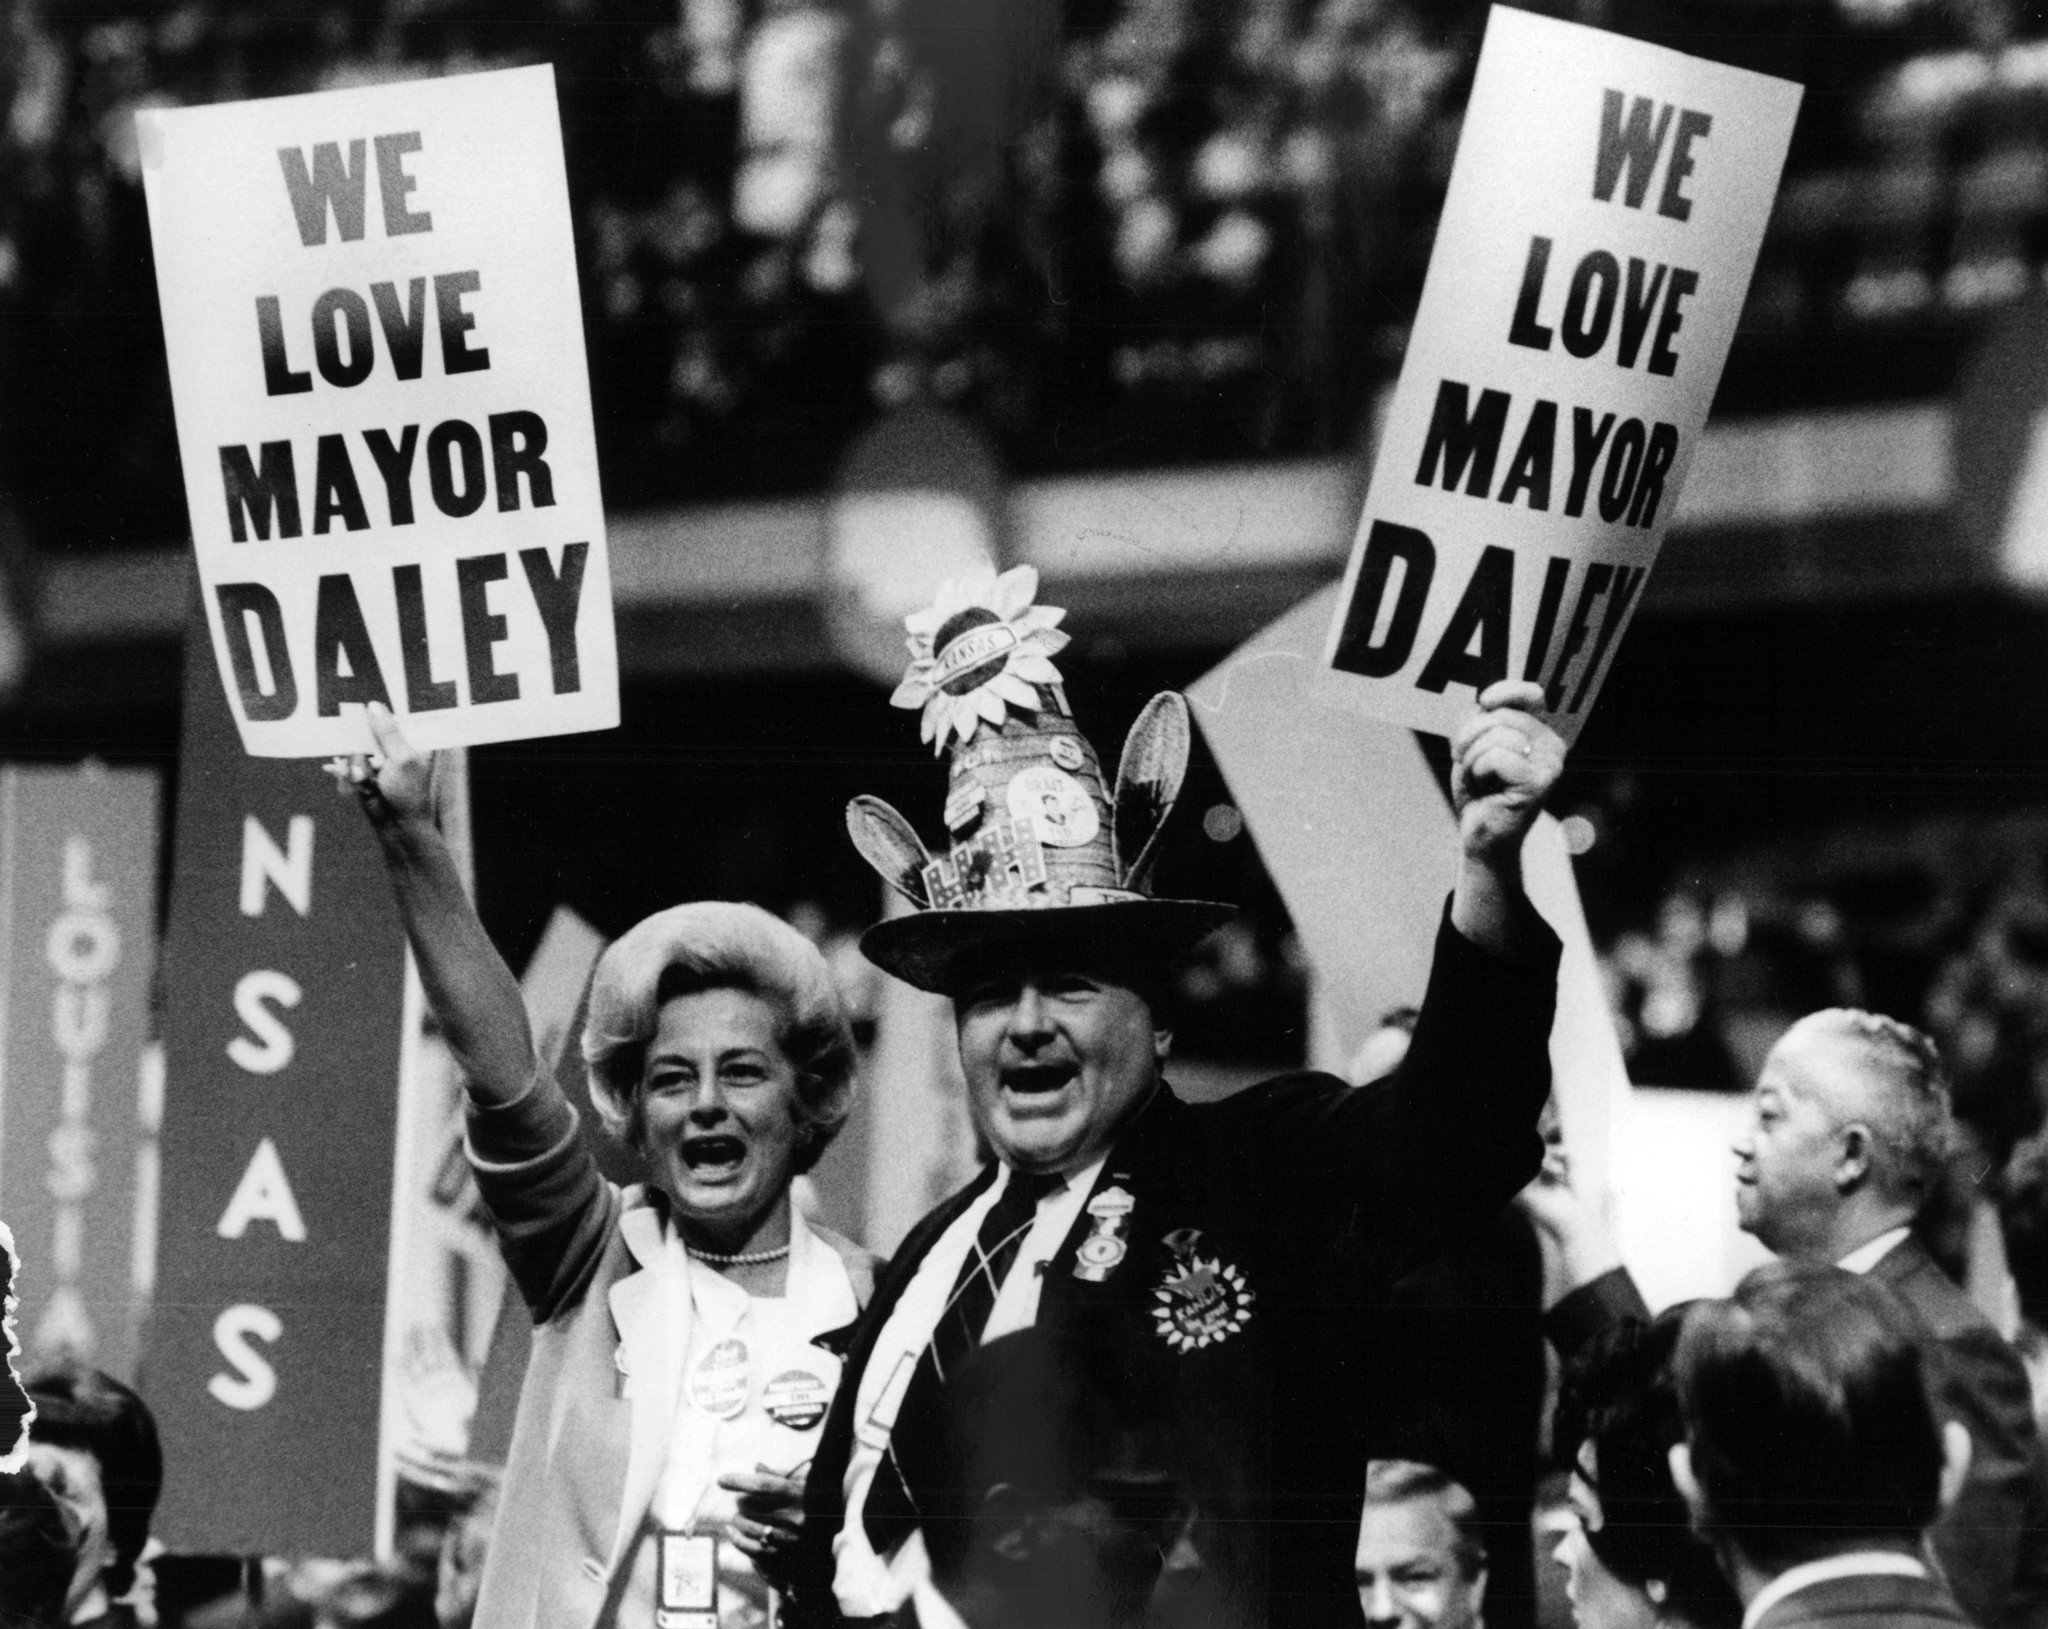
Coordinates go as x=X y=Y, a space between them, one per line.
x=1055 y=803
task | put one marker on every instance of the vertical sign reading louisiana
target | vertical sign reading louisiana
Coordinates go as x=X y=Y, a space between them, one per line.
x=1595 y=249
x=376 y=353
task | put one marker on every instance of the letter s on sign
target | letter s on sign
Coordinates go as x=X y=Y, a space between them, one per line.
x=256 y=1381
x=273 y=1047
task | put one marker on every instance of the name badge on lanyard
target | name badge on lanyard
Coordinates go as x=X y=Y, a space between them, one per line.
x=687 y=1592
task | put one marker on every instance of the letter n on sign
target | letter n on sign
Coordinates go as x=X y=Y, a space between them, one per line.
x=284 y=980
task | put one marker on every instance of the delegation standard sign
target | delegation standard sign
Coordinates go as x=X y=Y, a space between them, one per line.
x=1595 y=248
x=376 y=353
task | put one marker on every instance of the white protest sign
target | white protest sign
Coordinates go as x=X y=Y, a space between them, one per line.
x=376 y=353
x=1595 y=248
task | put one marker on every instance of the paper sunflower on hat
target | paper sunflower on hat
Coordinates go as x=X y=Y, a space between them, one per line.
x=1042 y=847
x=977 y=651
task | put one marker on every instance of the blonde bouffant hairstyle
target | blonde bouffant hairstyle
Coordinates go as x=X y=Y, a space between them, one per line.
x=719 y=945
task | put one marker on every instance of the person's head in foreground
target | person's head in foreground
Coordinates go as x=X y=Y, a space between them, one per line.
x=1054 y=1501
x=1630 y=1556
x=465 y=1545
x=719 y=1050
x=38 y=1555
x=1809 y=1432
x=1851 y=1123
x=93 y=1444
x=1421 y=1559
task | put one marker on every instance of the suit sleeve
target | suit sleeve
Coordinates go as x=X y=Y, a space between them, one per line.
x=551 y=1206
x=1583 y=1315
x=1980 y=1382
x=1450 y=1133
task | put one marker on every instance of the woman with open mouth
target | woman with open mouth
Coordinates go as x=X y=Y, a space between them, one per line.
x=677 y=1380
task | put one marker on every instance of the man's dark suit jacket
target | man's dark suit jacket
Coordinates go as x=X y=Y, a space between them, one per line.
x=1993 y=1543
x=1318 y=1198
x=1867 y=1603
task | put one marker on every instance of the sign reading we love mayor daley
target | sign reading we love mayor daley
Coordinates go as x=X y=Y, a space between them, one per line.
x=376 y=352
x=1595 y=248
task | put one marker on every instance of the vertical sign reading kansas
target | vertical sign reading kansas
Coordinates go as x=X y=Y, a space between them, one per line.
x=376 y=353
x=283 y=982
x=1595 y=249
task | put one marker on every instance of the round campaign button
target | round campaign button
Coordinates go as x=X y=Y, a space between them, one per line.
x=796 y=1398
x=1103 y=1251
x=718 y=1384
x=1057 y=805
x=1066 y=752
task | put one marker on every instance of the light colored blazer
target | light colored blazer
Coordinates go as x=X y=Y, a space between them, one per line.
x=611 y=1310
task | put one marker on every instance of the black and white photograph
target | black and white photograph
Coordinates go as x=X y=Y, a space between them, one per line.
x=1024 y=814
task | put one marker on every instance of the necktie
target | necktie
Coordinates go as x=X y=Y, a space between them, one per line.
x=890 y=1513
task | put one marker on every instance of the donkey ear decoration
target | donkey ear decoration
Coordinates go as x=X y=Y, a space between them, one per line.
x=888 y=843
x=1148 y=781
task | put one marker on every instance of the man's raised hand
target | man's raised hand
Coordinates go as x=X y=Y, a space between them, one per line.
x=1504 y=761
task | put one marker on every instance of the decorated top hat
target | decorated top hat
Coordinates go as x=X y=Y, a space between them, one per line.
x=1040 y=851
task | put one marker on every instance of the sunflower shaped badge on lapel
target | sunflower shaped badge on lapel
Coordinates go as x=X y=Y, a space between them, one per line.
x=1042 y=846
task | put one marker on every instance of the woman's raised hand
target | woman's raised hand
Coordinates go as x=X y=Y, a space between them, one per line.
x=394 y=783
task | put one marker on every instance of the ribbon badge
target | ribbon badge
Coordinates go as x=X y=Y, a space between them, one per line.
x=1202 y=1300
x=1109 y=1214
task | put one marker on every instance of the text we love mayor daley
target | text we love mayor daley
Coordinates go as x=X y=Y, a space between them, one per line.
x=261 y=486
x=1630 y=314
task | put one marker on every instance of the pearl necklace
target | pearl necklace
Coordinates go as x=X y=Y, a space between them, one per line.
x=752 y=1258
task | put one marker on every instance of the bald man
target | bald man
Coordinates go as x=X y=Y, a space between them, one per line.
x=1849 y=1128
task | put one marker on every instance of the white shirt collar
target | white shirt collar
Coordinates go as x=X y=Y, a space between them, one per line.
x=1866 y=1256
x=1079 y=1181
x=1857 y=1564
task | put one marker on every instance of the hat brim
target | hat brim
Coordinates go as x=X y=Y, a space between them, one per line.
x=928 y=948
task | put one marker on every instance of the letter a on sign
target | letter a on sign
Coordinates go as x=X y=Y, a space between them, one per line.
x=263 y=1195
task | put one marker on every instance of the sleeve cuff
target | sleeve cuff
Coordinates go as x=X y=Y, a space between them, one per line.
x=1536 y=955
x=1581 y=1315
x=535 y=1124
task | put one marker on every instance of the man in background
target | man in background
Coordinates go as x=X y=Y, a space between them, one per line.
x=1813 y=1463
x=1421 y=1560
x=1851 y=1123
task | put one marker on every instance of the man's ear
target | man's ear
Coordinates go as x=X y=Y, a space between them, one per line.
x=1162 y=1044
x=1688 y=1485
x=1006 y=1518
x=1478 y=1591
x=1955 y=1467
x=1852 y=1163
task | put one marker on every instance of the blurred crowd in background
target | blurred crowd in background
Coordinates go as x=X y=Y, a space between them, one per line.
x=1112 y=232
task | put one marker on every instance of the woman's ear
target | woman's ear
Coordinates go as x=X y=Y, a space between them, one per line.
x=1955 y=1467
